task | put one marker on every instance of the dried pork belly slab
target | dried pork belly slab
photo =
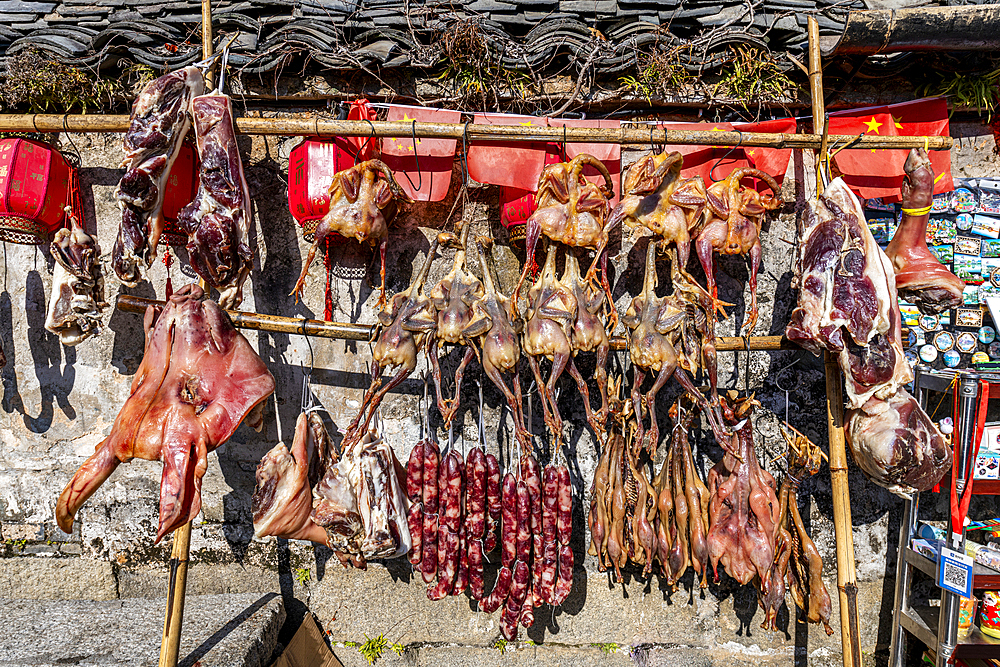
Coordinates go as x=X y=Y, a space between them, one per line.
x=74 y=312
x=218 y=221
x=199 y=378
x=382 y=502
x=160 y=120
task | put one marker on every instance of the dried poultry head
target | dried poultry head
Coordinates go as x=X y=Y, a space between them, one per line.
x=405 y=324
x=74 y=312
x=199 y=378
x=453 y=298
x=733 y=228
x=363 y=203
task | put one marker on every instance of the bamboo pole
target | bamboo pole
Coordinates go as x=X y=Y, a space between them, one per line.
x=480 y=133
x=175 y=597
x=347 y=331
x=206 y=39
x=843 y=528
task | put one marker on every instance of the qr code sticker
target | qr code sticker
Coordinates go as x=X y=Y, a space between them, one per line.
x=954 y=576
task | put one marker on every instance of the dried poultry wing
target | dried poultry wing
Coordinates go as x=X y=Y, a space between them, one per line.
x=407 y=321
x=363 y=203
x=453 y=298
x=920 y=277
x=74 y=312
x=218 y=221
x=733 y=228
x=199 y=378
x=160 y=120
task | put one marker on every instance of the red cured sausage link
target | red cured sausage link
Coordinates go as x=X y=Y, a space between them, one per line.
x=415 y=522
x=550 y=570
x=462 y=577
x=500 y=591
x=475 y=496
x=523 y=542
x=493 y=487
x=415 y=474
x=431 y=470
x=515 y=601
x=490 y=537
x=531 y=474
x=429 y=559
x=550 y=491
x=528 y=611
x=564 y=520
x=550 y=503
x=565 y=583
x=476 y=584
x=450 y=488
x=508 y=534
x=448 y=561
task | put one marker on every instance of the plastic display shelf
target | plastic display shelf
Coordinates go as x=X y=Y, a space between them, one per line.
x=983 y=578
x=922 y=623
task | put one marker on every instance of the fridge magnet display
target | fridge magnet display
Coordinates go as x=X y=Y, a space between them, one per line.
x=944 y=253
x=969 y=268
x=928 y=354
x=966 y=245
x=881 y=228
x=987 y=335
x=980 y=357
x=986 y=225
x=994 y=350
x=989 y=196
x=951 y=358
x=910 y=336
x=911 y=358
x=929 y=322
x=942 y=231
x=963 y=221
x=876 y=204
x=966 y=342
x=944 y=341
x=987 y=289
x=963 y=200
x=940 y=203
x=969 y=317
x=990 y=248
x=910 y=315
x=970 y=295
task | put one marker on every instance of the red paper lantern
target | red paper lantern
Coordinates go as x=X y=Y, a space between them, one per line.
x=311 y=167
x=181 y=188
x=34 y=190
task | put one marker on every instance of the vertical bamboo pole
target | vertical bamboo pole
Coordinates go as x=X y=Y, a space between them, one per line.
x=835 y=425
x=206 y=39
x=175 y=597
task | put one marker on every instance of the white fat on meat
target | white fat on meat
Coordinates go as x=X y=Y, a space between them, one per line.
x=77 y=299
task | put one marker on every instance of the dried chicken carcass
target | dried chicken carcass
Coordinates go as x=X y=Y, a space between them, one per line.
x=920 y=277
x=218 y=222
x=657 y=198
x=570 y=210
x=351 y=500
x=363 y=203
x=453 y=298
x=160 y=120
x=549 y=320
x=733 y=228
x=74 y=312
x=796 y=557
x=497 y=333
x=406 y=322
x=743 y=506
x=656 y=324
x=199 y=378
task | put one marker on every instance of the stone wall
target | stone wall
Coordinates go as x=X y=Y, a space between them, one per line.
x=59 y=402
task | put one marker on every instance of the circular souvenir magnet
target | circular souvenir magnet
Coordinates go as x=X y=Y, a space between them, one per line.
x=944 y=341
x=911 y=358
x=929 y=322
x=995 y=277
x=963 y=221
x=928 y=354
x=952 y=358
x=911 y=337
x=987 y=335
x=980 y=357
x=994 y=350
x=963 y=200
x=966 y=342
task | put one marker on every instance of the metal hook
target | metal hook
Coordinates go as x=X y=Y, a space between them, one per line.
x=564 y=156
x=794 y=384
x=465 y=153
x=368 y=141
x=416 y=158
x=711 y=172
x=482 y=423
x=225 y=63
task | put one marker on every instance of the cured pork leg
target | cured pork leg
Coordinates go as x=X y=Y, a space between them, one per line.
x=199 y=378
x=74 y=312
x=920 y=277
x=159 y=122
x=218 y=221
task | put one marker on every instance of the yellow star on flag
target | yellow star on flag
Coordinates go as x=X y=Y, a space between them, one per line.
x=525 y=124
x=406 y=118
x=897 y=121
x=873 y=125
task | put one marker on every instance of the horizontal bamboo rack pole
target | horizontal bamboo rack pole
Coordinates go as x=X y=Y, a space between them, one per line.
x=347 y=331
x=480 y=133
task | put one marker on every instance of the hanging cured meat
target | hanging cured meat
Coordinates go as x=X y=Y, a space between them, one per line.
x=363 y=202
x=350 y=500
x=160 y=120
x=218 y=221
x=920 y=277
x=199 y=378
x=733 y=228
x=847 y=304
x=77 y=299
x=743 y=507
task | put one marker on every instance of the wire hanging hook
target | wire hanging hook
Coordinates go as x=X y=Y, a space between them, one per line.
x=416 y=158
x=711 y=172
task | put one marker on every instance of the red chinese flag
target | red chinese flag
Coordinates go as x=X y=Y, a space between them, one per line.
x=517 y=205
x=511 y=164
x=422 y=166
x=714 y=163
x=879 y=172
x=773 y=161
x=609 y=154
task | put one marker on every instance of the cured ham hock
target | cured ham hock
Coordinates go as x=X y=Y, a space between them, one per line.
x=199 y=378
x=848 y=305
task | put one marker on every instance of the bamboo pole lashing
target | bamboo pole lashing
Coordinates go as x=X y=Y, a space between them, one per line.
x=481 y=133
x=843 y=528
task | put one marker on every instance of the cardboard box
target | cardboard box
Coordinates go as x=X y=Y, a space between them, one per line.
x=307 y=648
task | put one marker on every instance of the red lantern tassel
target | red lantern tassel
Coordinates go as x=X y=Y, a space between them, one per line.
x=328 y=300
